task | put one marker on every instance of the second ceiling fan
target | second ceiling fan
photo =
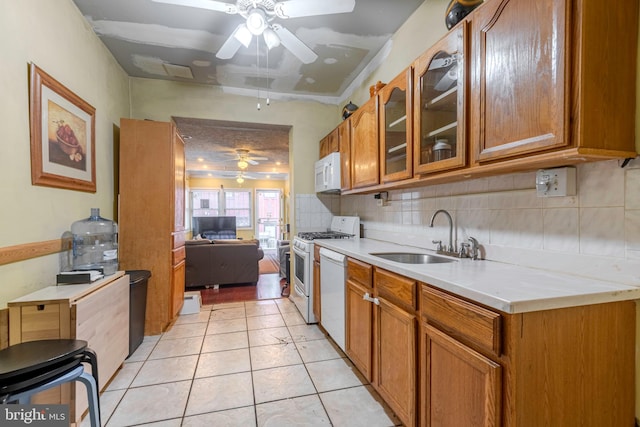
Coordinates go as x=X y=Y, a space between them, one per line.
x=259 y=14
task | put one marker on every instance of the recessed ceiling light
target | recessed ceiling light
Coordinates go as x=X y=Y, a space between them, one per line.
x=200 y=159
x=330 y=60
x=278 y=163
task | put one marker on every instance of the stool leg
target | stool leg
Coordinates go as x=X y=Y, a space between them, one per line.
x=92 y=395
x=24 y=397
x=90 y=357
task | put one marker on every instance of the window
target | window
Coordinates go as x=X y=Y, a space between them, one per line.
x=225 y=202
x=238 y=203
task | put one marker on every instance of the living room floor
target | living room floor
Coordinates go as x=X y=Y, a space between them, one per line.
x=252 y=363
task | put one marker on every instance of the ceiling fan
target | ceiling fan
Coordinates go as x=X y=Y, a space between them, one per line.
x=259 y=14
x=244 y=159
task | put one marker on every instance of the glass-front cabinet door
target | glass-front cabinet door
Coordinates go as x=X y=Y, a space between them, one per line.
x=439 y=100
x=396 y=149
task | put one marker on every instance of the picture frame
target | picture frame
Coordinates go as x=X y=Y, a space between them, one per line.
x=62 y=135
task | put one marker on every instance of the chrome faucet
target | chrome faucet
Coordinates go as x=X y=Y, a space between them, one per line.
x=450 y=248
x=475 y=248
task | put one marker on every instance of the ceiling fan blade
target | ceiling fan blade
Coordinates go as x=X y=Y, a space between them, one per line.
x=218 y=6
x=252 y=162
x=231 y=46
x=259 y=158
x=294 y=44
x=298 y=8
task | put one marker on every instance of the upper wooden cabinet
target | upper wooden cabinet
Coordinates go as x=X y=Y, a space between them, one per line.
x=330 y=143
x=553 y=75
x=365 y=170
x=396 y=125
x=344 y=139
x=439 y=105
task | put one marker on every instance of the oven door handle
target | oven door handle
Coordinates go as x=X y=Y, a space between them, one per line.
x=300 y=252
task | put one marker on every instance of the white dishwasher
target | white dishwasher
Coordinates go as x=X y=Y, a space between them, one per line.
x=333 y=276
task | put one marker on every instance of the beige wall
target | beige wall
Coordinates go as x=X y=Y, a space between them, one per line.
x=309 y=121
x=54 y=36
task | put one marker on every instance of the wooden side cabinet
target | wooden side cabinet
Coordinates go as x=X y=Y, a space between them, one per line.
x=151 y=221
x=97 y=313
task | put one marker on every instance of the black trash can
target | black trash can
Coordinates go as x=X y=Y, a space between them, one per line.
x=138 y=282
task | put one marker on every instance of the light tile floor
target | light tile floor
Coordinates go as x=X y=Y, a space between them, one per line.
x=241 y=364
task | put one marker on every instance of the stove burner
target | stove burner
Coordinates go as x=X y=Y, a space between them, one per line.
x=312 y=235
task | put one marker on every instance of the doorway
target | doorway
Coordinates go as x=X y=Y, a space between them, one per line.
x=268 y=217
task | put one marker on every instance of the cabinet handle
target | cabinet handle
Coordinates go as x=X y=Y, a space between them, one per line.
x=367 y=297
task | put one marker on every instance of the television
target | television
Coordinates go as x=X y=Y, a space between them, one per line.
x=214 y=227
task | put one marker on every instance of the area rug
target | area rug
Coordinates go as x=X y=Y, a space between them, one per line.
x=269 y=264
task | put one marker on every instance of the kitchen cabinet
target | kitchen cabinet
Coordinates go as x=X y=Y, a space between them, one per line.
x=484 y=368
x=344 y=137
x=459 y=385
x=396 y=136
x=330 y=143
x=396 y=349
x=97 y=313
x=151 y=220
x=440 y=138
x=365 y=170
x=317 y=309
x=552 y=77
x=359 y=316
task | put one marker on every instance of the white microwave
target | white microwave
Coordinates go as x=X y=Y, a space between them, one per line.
x=327 y=174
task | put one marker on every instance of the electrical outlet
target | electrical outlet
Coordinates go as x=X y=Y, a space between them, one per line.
x=556 y=182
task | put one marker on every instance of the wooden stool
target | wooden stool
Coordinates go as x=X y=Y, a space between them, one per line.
x=34 y=366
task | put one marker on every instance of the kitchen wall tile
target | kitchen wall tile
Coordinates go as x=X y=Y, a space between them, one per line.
x=560 y=202
x=632 y=189
x=500 y=183
x=525 y=180
x=518 y=228
x=601 y=184
x=602 y=231
x=562 y=230
x=632 y=229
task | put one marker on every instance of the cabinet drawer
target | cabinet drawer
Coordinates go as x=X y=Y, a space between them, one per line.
x=461 y=319
x=396 y=288
x=360 y=272
x=178 y=255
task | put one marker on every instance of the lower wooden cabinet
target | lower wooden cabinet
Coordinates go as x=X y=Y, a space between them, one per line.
x=439 y=360
x=396 y=360
x=460 y=387
x=359 y=317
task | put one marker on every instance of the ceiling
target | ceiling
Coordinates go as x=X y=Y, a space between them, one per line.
x=156 y=40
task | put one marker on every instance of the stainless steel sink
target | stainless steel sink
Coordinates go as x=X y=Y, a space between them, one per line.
x=412 y=258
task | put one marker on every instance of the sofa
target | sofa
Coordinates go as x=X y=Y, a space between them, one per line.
x=221 y=262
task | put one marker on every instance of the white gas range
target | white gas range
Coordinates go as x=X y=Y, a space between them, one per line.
x=342 y=227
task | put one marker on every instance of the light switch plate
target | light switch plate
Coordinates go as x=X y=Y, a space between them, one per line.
x=556 y=182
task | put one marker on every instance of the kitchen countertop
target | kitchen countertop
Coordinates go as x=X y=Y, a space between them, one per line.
x=505 y=287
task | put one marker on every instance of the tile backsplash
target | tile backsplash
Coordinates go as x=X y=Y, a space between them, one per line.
x=313 y=212
x=595 y=233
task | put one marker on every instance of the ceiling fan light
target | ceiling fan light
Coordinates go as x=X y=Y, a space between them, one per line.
x=256 y=21
x=271 y=38
x=242 y=164
x=243 y=35
x=239 y=180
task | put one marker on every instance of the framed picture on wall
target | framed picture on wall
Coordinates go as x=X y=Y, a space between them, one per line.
x=62 y=135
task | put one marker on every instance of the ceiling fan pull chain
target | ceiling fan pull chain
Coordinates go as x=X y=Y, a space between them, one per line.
x=267 y=85
x=258 y=68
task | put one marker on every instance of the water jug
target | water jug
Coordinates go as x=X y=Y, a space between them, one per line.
x=95 y=244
